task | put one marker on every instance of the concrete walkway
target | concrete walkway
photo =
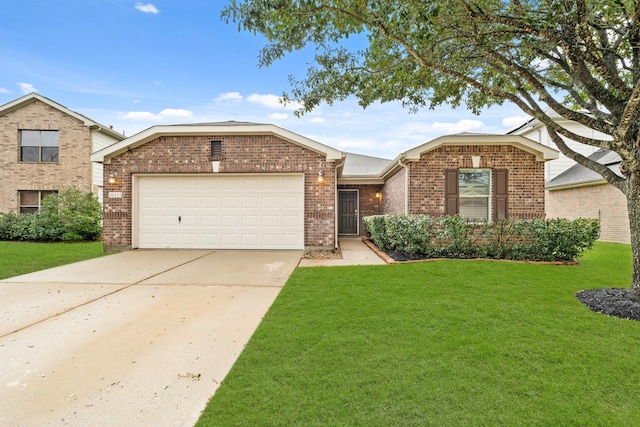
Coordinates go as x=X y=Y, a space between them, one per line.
x=354 y=252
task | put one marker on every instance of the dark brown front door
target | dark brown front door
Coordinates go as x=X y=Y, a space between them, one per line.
x=348 y=212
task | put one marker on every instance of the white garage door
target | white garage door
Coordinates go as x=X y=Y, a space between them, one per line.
x=221 y=212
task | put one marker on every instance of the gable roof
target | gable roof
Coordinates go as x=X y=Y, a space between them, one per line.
x=541 y=151
x=581 y=176
x=18 y=103
x=217 y=128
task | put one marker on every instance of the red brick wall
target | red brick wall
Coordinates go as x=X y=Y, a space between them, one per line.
x=526 y=178
x=393 y=193
x=73 y=167
x=368 y=203
x=602 y=201
x=240 y=154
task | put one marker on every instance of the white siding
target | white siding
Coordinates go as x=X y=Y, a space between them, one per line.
x=554 y=168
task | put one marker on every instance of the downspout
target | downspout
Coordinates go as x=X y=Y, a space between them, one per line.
x=335 y=203
x=406 y=185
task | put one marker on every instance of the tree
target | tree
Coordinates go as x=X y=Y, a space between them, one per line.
x=579 y=58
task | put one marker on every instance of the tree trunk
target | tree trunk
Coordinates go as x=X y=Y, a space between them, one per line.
x=633 y=204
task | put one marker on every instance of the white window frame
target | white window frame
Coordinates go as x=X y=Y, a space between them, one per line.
x=487 y=196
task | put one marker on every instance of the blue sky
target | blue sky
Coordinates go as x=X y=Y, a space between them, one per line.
x=137 y=64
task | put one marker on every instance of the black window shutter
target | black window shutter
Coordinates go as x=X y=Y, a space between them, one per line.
x=500 y=194
x=451 y=192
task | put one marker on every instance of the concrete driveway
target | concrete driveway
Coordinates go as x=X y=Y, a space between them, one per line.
x=138 y=338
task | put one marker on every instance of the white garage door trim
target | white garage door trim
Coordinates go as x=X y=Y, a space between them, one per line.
x=218 y=211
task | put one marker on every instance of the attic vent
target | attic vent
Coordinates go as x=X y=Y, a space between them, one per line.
x=216 y=149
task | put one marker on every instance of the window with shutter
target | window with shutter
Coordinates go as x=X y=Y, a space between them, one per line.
x=469 y=193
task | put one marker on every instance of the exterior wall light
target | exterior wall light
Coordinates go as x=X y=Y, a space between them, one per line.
x=320 y=176
x=378 y=195
x=113 y=178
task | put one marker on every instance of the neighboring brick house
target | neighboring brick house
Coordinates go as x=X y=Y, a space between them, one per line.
x=574 y=191
x=47 y=147
x=237 y=185
x=580 y=192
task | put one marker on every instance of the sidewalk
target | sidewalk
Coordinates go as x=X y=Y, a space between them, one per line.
x=354 y=252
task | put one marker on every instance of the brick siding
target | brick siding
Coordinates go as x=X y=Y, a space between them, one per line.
x=240 y=154
x=602 y=201
x=393 y=193
x=73 y=167
x=526 y=193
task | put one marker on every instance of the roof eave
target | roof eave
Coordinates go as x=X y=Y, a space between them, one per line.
x=361 y=180
x=27 y=99
x=154 y=132
x=541 y=151
x=573 y=185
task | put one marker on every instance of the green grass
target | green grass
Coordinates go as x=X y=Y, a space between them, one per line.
x=21 y=257
x=444 y=343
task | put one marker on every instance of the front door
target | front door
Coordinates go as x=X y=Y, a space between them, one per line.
x=348 y=212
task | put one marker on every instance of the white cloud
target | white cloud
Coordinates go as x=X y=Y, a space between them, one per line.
x=229 y=96
x=443 y=128
x=514 y=121
x=4 y=90
x=271 y=101
x=27 y=88
x=172 y=112
x=139 y=116
x=147 y=8
x=464 y=125
x=278 y=116
x=146 y=116
x=316 y=120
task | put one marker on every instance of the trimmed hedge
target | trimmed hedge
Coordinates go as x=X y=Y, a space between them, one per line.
x=421 y=236
x=69 y=216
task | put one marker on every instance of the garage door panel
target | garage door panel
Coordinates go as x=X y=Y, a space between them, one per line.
x=221 y=211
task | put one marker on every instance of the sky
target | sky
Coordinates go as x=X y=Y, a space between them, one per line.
x=133 y=65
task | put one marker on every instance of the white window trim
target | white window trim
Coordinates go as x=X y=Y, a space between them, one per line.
x=489 y=196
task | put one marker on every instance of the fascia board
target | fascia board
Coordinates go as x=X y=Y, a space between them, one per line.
x=541 y=151
x=25 y=100
x=353 y=180
x=577 y=185
x=177 y=130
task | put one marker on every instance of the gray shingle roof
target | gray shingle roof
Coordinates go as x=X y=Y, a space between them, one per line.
x=580 y=175
x=361 y=165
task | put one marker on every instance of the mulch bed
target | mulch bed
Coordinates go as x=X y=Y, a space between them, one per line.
x=616 y=302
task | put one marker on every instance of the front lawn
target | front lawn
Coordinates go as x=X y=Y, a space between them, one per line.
x=24 y=257
x=439 y=343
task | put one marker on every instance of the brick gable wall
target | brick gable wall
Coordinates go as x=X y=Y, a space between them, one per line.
x=526 y=178
x=240 y=154
x=602 y=201
x=73 y=167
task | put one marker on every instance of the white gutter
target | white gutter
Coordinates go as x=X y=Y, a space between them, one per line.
x=406 y=186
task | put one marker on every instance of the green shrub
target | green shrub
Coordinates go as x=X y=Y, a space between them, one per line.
x=70 y=215
x=454 y=237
